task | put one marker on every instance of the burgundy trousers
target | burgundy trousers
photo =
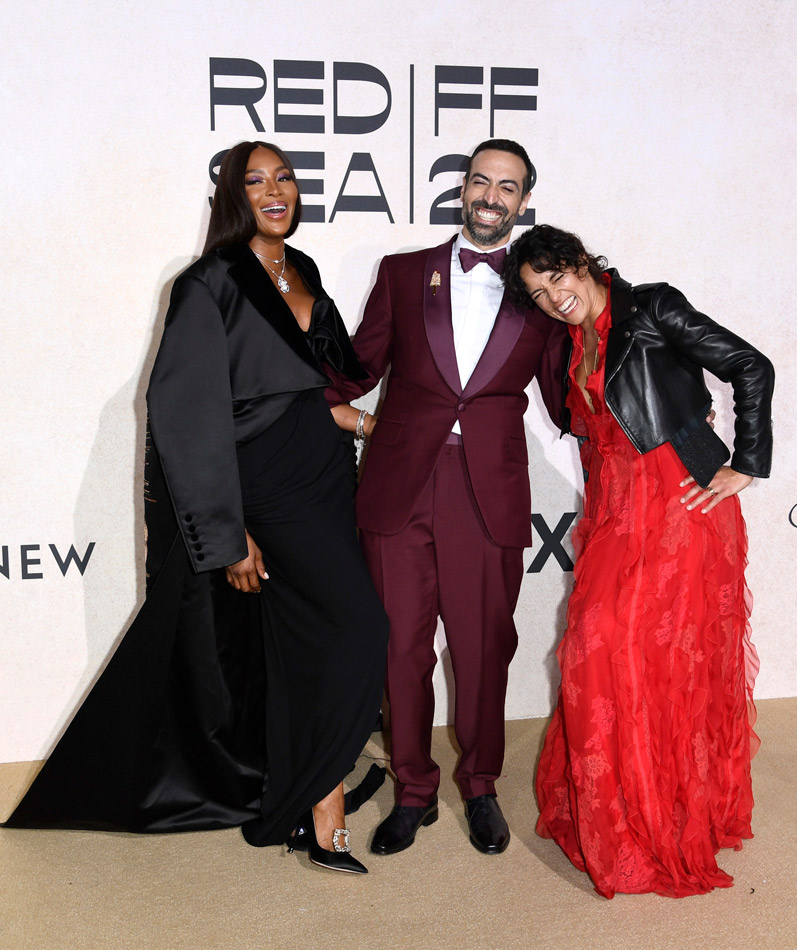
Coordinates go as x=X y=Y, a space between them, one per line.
x=442 y=563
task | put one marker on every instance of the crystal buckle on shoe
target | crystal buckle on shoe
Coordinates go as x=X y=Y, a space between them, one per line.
x=341 y=847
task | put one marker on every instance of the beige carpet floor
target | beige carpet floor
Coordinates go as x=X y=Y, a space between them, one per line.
x=210 y=890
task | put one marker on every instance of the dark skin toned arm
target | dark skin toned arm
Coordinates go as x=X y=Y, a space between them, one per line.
x=245 y=575
x=346 y=417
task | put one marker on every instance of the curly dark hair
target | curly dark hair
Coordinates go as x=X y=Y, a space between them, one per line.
x=545 y=248
x=231 y=218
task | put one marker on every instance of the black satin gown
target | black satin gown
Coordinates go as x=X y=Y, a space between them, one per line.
x=325 y=628
x=221 y=708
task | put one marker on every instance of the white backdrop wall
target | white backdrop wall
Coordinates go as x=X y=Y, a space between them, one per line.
x=663 y=133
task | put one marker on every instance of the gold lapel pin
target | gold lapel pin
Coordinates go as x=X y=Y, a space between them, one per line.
x=434 y=283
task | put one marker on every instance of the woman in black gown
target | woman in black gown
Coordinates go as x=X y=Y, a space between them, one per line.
x=251 y=678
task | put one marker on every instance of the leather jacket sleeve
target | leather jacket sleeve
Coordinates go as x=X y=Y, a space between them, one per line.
x=730 y=358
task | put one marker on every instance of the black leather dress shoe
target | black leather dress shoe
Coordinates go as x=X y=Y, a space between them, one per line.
x=489 y=831
x=398 y=830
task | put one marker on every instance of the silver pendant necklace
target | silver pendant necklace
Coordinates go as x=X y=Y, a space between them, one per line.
x=283 y=284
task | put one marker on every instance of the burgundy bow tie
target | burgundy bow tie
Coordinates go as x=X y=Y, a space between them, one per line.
x=469 y=259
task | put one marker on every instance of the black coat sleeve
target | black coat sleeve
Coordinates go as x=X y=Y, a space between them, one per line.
x=191 y=421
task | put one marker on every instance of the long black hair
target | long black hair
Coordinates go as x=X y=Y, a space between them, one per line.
x=232 y=220
x=545 y=248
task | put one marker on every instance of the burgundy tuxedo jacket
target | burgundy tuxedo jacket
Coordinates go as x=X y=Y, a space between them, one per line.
x=407 y=326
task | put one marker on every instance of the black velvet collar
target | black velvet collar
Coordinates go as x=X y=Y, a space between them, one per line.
x=327 y=341
x=248 y=274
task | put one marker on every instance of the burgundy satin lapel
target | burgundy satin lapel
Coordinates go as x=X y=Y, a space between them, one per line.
x=437 y=313
x=507 y=328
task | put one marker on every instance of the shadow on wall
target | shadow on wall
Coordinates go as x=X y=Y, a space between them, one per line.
x=115 y=466
x=556 y=488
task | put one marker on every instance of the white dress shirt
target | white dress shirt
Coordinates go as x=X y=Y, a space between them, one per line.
x=475 y=301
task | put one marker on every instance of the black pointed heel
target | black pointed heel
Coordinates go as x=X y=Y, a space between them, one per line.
x=300 y=839
x=340 y=859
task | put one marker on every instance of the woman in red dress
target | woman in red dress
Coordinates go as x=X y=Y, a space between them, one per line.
x=645 y=771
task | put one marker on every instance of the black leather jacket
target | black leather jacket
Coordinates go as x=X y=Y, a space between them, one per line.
x=657 y=350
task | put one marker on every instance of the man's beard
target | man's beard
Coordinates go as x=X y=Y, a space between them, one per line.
x=487 y=235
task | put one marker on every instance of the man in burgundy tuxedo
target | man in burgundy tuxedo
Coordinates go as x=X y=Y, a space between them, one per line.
x=444 y=505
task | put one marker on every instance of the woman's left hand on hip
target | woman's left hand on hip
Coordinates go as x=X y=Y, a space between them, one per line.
x=725 y=483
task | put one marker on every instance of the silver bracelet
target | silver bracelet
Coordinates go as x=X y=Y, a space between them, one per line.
x=359 y=432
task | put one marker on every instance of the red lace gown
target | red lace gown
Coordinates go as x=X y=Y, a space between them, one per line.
x=645 y=771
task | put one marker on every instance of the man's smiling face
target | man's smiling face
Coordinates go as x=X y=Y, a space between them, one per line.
x=492 y=197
